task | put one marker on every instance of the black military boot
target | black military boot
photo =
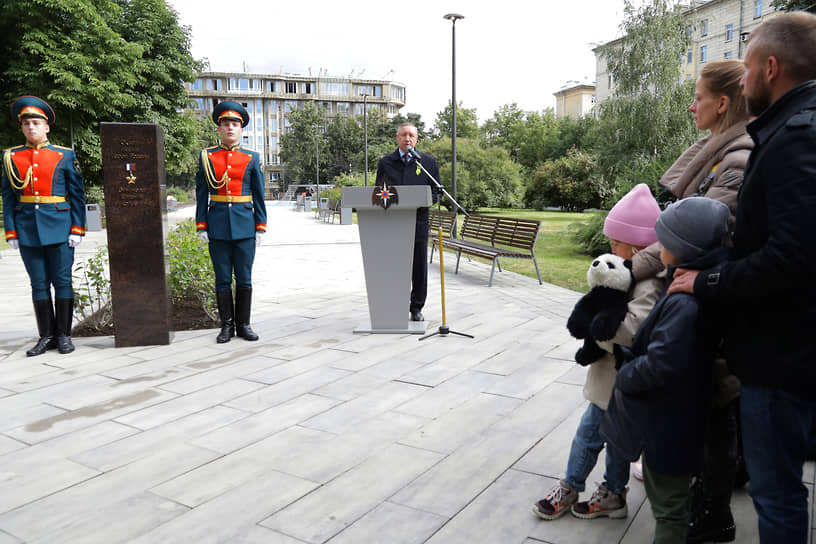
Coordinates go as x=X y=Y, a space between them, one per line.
x=65 y=315
x=225 y=311
x=243 y=304
x=44 y=312
x=712 y=522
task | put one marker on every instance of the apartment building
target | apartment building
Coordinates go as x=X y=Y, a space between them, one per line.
x=716 y=30
x=574 y=100
x=270 y=98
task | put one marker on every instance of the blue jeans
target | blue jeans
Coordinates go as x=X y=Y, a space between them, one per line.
x=776 y=431
x=586 y=446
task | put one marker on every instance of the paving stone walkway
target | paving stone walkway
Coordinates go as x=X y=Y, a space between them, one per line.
x=313 y=434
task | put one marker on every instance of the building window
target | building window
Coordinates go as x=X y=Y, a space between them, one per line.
x=290 y=105
x=757 y=9
x=213 y=84
x=272 y=124
x=728 y=54
x=199 y=104
x=334 y=89
x=703 y=53
x=196 y=85
x=291 y=87
x=729 y=32
x=308 y=88
x=273 y=142
x=689 y=56
x=398 y=93
x=343 y=108
x=704 y=27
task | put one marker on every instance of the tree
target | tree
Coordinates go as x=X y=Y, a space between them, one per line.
x=645 y=60
x=304 y=144
x=485 y=176
x=795 y=5
x=648 y=121
x=98 y=60
x=467 y=125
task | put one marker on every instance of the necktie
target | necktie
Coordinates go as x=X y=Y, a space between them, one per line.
x=406 y=158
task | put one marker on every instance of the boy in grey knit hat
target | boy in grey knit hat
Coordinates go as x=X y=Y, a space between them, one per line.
x=664 y=380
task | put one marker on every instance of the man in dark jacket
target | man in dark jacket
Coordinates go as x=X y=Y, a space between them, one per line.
x=401 y=168
x=768 y=281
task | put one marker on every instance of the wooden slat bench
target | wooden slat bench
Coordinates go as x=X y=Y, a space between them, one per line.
x=333 y=209
x=492 y=237
x=433 y=226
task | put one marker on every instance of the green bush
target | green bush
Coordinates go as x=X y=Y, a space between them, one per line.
x=179 y=194
x=95 y=194
x=334 y=193
x=92 y=294
x=191 y=272
x=191 y=278
x=568 y=183
x=589 y=235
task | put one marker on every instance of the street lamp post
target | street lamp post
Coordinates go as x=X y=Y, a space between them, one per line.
x=317 y=165
x=365 y=140
x=453 y=17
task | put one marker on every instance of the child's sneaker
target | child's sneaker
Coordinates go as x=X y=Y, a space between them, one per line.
x=558 y=501
x=602 y=503
x=637 y=470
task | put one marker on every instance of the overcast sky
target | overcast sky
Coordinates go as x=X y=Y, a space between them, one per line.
x=506 y=51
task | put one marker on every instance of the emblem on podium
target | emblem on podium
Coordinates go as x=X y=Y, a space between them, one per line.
x=384 y=196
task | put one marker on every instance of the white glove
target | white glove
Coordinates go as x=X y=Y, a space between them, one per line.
x=14 y=243
x=259 y=237
x=202 y=235
x=74 y=240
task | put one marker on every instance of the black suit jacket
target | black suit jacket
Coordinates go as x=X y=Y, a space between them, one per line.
x=393 y=171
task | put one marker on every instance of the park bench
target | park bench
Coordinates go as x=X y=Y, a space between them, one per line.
x=433 y=226
x=333 y=210
x=492 y=237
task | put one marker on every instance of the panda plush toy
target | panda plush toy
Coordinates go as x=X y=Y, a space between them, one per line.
x=598 y=314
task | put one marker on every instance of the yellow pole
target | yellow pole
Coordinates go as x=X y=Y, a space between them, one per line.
x=441 y=271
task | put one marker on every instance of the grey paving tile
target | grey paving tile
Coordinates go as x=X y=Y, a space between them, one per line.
x=330 y=509
x=116 y=522
x=283 y=371
x=188 y=404
x=513 y=358
x=89 y=438
x=391 y=523
x=256 y=427
x=500 y=514
x=28 y=477
x=308 y=459
x=45 y=428
x=6 y=538
x=120 y=451
x=8 y=444
x=531 y=377
x=438 y=400
x=163 y=361
x=461 y=424
x=233 y=516
x=362 y=408
x=208 y=374
x=28 y=521
x=549 y=456
x=271 y=395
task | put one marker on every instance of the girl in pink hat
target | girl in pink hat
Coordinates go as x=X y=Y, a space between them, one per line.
x=630 y=227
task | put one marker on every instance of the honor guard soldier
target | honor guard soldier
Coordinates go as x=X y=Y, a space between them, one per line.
x=231 y=217
x=44 y=217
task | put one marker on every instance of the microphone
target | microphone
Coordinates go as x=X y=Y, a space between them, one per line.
x=413 y=152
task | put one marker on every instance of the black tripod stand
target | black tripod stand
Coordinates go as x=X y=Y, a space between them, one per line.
x=443 y=330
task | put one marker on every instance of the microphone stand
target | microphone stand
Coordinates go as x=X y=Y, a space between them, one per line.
x=443 y=330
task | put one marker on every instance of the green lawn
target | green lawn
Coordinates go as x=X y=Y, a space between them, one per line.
x=560 y=260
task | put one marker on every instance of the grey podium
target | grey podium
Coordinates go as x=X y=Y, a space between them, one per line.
x=387 y=227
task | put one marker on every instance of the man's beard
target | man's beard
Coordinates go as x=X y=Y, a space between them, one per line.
x=761 y=99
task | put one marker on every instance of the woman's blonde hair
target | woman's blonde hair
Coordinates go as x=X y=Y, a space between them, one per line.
x=722 y=78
